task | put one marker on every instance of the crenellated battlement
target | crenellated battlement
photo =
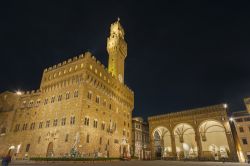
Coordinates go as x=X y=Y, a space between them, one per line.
x=97 y=63
x=66 y=62
x=93 y=61
x=31 y=92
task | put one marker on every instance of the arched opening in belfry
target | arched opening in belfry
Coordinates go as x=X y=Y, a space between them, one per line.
x=212 y=147
x=50 y=150
x=162 y=142
x=186 y=146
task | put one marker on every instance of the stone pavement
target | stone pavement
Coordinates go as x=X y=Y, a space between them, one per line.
x=131 y=163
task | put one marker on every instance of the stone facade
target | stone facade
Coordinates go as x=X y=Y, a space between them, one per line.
x=241 y=121
x=140 y=139
x=202 y=133
x=80 y=108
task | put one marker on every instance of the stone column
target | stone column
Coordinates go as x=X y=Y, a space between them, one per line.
x=162 y=146
x=230 y=139
x=198 y=142
x=232 y=148
x=152 y=148
x=173 y=144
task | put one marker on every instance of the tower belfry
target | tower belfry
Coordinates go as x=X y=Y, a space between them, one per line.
x=117 y=50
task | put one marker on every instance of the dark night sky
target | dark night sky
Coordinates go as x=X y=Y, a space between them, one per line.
x=181 y=55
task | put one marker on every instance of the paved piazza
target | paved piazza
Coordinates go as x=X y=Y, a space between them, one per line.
x=134 y=163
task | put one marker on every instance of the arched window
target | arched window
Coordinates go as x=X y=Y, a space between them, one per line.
x=89 y=95
x=97 y=99
x=67 y=95
x=76 y=93
x=3 y=130
x=67 y=138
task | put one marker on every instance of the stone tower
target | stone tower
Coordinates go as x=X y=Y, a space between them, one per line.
x=117 y=50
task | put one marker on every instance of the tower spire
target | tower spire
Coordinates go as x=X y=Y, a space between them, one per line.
x=117 y=50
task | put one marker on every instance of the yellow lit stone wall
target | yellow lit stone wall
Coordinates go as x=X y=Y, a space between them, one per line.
x=64 y=94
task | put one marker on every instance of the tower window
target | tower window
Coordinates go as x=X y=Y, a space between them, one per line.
x=100 y=140
x=3 y=130
x=32 y=126
x=17 y=127
x=27 y=148
x=63 y=121
x=95 y=123
x=40 y=125
x=60 y=98
x=103 y=126
x=87 y=140
x=67 y=138
x=86 y=121
x=72 y=120
x=53 y=99
x=31 y=103
x=241 y=129
x=67 y=95
x=55 y=122
x=244 y=141
x=47 y=123
x=38 y=102
x=97 y=99
x=25 y=126
x=76 y=93
x=89 y=95
x=45 y=101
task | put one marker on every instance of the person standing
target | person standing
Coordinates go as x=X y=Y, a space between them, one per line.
x=6 y=160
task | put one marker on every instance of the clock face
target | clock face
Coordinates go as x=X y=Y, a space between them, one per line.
x=120 y=78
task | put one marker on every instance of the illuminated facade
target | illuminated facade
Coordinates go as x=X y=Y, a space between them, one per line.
x=81 y=108
x=140 y=139
x=202 y=133
x=241 y=121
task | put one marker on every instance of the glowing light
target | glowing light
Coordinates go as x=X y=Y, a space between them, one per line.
x=231 y=119
x=186 y=147
x=225 y=105
x=18 y=92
